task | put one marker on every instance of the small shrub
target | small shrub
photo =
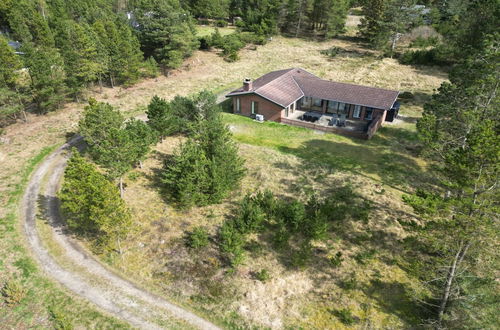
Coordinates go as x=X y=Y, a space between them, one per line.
x=300 y=258
x=221 y=23
x=60 y=319
x=150 y=68
x=281 y=237
x=364 y=256
x=239 y=24
x=263 y=275
x=232 y=57
x=336 y=260
x=350 y=284
x=197 y=238
x=133 y=176
x=293 y=215
x=267 y=202
x=345 y=316
x=13 y=292
x=231 y=243
x=331 y=52
x=434 y=56
x=250 y=216
x=421 y=42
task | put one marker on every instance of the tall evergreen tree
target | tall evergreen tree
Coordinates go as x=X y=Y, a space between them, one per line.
x=83 y=57
x=46 y=70
x=92 y=205
x=165 y=31
x=206 y=168
x=459 y=129
x=10 y=64
x=158 y=116
x=371 y=24
x=142 y=137
x=122 y=49
x=116 y=146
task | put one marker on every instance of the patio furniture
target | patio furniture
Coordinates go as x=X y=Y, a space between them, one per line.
x=342 y=120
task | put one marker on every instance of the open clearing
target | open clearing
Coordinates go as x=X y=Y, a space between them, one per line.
x=380 y=169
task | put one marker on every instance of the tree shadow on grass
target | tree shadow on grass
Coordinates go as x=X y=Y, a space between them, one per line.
x=392 y=168
x=395 y=298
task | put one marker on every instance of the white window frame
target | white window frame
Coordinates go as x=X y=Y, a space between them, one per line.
x=238 y=105
x=253 y=107
x=357 y=111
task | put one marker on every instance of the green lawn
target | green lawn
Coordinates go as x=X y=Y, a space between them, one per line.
x=385 y=158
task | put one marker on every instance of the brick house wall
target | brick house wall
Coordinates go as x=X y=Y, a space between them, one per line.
x=270 y=110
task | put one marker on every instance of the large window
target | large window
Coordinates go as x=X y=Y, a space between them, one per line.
x=255 y=107
x=238 y=105
x=368 y=113
x=332 y=107
x=317 y=102
x=337 y=107
x=357 y=111
x=306 y=102
x=343 y=110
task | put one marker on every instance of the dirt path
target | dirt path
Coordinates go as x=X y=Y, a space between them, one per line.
x=95 y=283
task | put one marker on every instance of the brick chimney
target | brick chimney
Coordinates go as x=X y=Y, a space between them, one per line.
x=247 y=84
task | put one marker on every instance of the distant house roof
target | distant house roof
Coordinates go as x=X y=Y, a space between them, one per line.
x=284 y=87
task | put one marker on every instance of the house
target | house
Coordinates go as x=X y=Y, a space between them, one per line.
x=297 y=97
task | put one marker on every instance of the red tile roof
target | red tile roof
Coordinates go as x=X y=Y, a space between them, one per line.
x=284 y=87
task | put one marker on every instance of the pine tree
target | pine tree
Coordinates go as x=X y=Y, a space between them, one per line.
x=142 y=137
x=46 y=70
x=98 y=120
x=10 y=64
x=166 y=32
x=92 y=206
x=226 y=167
x=186 y=175
x=11 y=100
x=207 y=167
x=459 y=131
x=157 y=113
x=83 y=57
x=371 y=26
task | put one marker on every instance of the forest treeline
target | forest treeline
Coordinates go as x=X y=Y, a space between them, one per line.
x=51 y=51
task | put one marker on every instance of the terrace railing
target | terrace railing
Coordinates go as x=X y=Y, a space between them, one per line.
x=373 y=126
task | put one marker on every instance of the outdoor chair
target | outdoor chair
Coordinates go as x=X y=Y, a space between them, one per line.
x=342 y=120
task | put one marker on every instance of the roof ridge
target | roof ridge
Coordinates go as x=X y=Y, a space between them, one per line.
x=353 y=84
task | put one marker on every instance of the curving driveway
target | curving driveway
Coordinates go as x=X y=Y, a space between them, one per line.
x=79 y=271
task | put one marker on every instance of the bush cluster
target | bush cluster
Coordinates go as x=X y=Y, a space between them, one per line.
x=421 y=42
x=434 y=56
x=286 y=219
x=197 y=238
x=230 y=44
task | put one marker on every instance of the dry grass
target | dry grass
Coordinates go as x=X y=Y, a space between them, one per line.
x=157 y=255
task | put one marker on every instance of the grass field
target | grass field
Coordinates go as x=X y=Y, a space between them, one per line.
x=381 y=170
x=45 y=304
x=289 y=161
